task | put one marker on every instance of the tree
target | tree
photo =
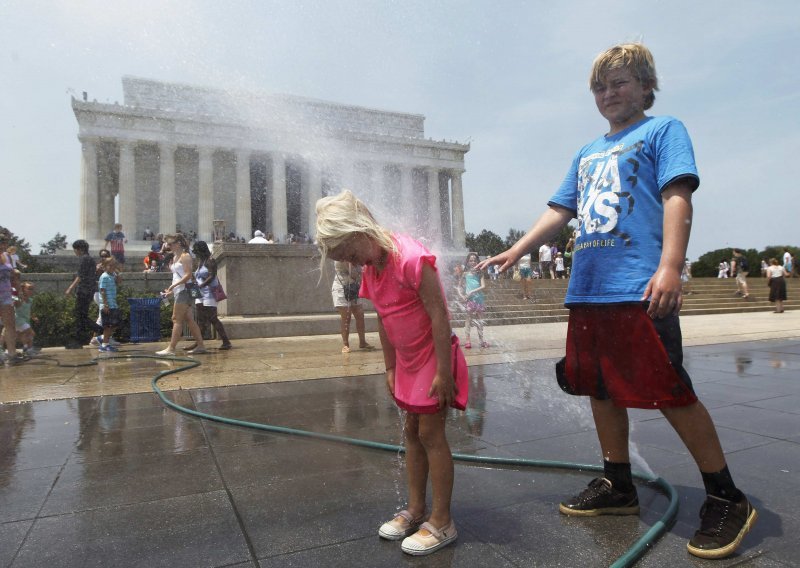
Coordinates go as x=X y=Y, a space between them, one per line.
x=513 y=236
x=59 y=242
x=486 y=243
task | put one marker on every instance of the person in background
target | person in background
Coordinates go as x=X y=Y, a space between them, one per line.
x=776 y=275
x=740 y=269
x=206 y=277
x=104 y=254
x=23 y=302
x=344 y=291
x=8 y=281
x=258 y=239
x=115 y=242
x=474 y=299
x=181 y=268
x=526 y=275
x=84 y=285
x=559 y=263
x=15 y=261
x=109 y=310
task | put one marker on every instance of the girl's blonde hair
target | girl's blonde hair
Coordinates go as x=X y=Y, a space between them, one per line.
x=339 y=216
x=632 y=56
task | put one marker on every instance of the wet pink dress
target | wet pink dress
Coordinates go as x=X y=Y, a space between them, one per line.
x=395 y=294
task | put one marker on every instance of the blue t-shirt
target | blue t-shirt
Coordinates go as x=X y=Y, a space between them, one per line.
x=109 y=284
x=614 y=188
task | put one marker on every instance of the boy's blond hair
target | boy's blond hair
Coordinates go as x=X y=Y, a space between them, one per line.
x=342 y=215
x=633 y=56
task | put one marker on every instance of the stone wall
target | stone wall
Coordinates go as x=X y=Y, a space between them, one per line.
x=272 y=280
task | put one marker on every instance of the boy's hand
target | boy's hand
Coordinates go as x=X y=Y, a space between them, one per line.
x=106 y=309
x=444 y=389
x=390 y=380
x=505 y=260
x=664 y=292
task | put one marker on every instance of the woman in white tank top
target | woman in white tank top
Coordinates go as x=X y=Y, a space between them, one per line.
x=181 y=268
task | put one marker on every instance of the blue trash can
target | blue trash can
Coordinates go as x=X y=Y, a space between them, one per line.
x=145 y=319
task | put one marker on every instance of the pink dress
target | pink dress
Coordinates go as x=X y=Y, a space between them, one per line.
x=395 y=294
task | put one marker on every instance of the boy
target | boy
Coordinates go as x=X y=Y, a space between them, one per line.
x=109 y=310
x=631 y=191
x=85 y=285
x=22 y=313
x=115 y=242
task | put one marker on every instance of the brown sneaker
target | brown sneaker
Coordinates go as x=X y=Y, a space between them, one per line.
x=600 y=498
x=723 y=524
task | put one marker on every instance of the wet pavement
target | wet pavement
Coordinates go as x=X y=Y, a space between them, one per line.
x=114 y=478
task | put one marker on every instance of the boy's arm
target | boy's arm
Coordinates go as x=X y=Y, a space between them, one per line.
x=71 y=287
x=430 y=292
x=664 y=288
x=546 y=227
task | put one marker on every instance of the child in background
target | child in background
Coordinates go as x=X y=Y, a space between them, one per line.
x=15 y=261
x=109 y=311
x=22 y=313
x=559 y=265
x=474 y=285
x=425 y=369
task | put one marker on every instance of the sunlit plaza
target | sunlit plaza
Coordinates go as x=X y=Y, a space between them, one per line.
x=96 y=471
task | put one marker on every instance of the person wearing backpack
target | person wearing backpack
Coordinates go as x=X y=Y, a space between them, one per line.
x=740 y=268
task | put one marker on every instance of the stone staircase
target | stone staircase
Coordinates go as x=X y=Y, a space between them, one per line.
x=505 y=306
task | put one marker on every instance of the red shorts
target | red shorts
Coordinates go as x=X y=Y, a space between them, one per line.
x=618 y=352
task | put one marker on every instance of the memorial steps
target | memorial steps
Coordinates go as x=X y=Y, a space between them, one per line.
x=505 y=306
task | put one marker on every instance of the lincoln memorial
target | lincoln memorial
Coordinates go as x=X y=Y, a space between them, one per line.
x=178 y=157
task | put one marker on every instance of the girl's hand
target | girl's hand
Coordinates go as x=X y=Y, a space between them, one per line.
x=444 y=389
x=390 y=381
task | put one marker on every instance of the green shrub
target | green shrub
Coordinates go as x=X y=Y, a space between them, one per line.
x=56 y=314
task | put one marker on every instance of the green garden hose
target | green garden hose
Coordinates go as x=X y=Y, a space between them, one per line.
x=627 y=559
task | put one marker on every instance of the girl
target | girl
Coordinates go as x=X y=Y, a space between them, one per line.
x=181 y=267
x=425 y=369
x=777 y=284
x=206 y=277
x=474 y=285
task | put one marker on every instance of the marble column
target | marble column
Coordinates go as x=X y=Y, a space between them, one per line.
x=434 y=209
x=279 y=224
x=444 y=203
x=243 y=212
x=408 y=205
x=89 y=208
x=166 y=196
x=205 y=201
x=314 y=193
x=457 y=204
x=127 y=188
x=347 y=175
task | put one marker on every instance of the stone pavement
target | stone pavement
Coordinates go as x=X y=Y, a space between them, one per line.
x=97 y=472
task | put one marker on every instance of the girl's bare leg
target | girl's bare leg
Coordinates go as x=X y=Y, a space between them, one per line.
x=416 y=466
x=440 y=465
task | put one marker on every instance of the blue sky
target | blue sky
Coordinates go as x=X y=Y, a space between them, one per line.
x=508 y=77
